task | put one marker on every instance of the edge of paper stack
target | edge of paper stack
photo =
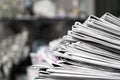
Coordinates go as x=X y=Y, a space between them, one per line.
x=90 y=51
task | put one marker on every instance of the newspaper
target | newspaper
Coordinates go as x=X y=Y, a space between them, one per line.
x=90 y=51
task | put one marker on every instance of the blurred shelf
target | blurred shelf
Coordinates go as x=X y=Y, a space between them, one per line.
x=40 y=19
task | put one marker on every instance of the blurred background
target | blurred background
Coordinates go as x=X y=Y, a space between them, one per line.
x=29 y=28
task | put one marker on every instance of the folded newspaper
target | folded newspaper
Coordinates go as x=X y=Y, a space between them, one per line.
x=90 y=51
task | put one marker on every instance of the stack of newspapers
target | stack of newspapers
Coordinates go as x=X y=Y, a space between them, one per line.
x=90 y=51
